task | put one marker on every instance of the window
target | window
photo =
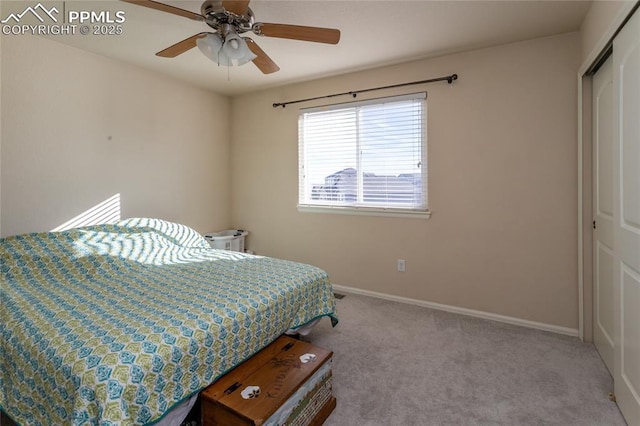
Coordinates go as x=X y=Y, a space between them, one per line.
x=367 y=156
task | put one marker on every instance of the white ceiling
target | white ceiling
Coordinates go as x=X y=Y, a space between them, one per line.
x=373 y=33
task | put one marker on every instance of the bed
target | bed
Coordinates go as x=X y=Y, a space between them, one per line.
x=118 y=324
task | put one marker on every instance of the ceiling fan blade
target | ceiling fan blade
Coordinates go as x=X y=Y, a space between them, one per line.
x=263 y=61
x=239 y=7
x=180 y=47
x=166 y=8
x=299 y=32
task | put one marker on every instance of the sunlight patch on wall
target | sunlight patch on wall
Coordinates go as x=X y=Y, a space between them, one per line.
x=107 y=211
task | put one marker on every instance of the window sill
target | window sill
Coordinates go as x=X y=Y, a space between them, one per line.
x=363 y=211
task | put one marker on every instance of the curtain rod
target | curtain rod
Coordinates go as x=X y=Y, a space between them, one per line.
x=449 y=79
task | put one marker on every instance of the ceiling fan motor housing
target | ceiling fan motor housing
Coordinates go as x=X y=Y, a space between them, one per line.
x=211 y=6
x=224 y=21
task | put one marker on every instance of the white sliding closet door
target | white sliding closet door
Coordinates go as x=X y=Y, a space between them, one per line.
x=603 y=256
x=626 y=218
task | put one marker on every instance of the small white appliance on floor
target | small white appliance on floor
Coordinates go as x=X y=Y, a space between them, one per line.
x=232 y=239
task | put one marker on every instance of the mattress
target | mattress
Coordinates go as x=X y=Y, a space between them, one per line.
x=117 y=324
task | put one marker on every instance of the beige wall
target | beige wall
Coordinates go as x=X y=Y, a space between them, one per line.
x=78 y=128
x=502 y=185
x=502 y=171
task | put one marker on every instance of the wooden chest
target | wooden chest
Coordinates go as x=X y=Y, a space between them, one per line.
x=287 y=383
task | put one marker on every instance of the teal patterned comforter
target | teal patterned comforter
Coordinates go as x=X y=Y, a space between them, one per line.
x=116 y=324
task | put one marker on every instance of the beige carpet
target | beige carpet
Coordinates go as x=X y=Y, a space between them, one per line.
x=398 y=364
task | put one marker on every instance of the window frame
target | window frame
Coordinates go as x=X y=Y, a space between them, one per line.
x=412 y=212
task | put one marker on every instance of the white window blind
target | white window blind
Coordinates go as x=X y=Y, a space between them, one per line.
x=368 y=155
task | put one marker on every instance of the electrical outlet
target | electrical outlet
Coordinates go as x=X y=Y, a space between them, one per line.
x=400 y=265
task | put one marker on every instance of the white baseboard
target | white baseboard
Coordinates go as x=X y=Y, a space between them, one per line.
x=463 y=311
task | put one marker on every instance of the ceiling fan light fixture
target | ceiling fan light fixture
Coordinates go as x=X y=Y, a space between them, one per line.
x=235 y=47
x=223 y=51
x=245 y=60
x=210 y=46
x=223 y=60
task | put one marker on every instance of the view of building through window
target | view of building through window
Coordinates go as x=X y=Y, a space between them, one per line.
x=365 y=154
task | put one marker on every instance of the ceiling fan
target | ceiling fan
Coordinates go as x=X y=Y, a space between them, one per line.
x=229 y=19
